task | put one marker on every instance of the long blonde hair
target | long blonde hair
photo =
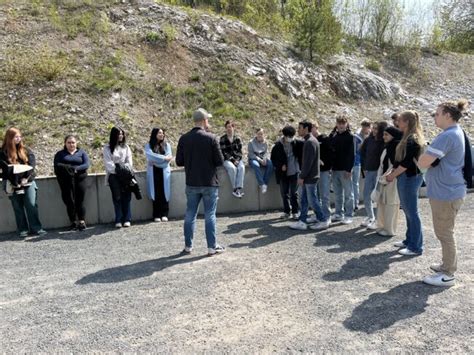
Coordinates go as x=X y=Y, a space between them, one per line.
x=414 y=131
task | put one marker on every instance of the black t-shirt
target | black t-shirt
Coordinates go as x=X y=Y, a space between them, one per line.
x=412 y=153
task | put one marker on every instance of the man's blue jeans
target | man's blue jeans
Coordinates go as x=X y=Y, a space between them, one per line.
x=408 y=190
x=262 y=178
x=355 y=183
x=194 y=195
x=369 y=186
x=309 y=197
x=343 y=189
x=324 y=192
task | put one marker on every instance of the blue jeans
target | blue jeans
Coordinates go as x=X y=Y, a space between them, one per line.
x=262 y=179
x=355 y=184
x=25 y=207
x=408 y=190
x=324 y=192
x=308 y=197
x=123 y=211
x=194 y=194
x=236 y=173
x=369 y=186
x=343 y=189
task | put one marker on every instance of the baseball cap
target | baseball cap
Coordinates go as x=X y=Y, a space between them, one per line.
x=201 y=114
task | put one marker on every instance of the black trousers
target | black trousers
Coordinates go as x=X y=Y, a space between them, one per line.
x=73 y=189
x=160 y=205
x=289 y=193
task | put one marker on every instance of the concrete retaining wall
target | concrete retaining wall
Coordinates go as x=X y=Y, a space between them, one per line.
x=98 y=200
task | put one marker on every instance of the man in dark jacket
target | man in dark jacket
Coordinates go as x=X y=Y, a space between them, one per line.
x=342 y=142
x=307 y=180
x=286 y=160
x=198 y=151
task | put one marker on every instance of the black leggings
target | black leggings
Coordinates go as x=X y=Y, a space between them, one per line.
x=160 y=205
x=73 y=190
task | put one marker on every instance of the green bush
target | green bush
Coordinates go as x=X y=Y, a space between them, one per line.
x=373 y=65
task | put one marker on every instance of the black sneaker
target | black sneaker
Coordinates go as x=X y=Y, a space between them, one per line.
x=217 y=250
x=81 y=226
x=73 y=227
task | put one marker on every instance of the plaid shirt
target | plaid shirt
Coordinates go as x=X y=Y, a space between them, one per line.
x=232 y=151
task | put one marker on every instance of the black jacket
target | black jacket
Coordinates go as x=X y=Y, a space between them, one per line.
x=279 y=158
x=370 y=153
x=343 y=151
x=198 y=151
x=467 y=162
x=325 y=152
x=231 y=151
x=15 y=179
x=310 y=165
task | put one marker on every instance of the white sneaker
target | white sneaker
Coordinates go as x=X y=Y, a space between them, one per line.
x=384 y=233
x=437 y=267
x=407 y=252
x=321 y=225
x=164 y=219
x=372 y=226
x=300 y=225
x=312 y=219
x=399 y=244
x=366 y=222
x=295 y=216
x=118 y=225
x=156 y=219
x=217 y=250
x=264 y=189
x=285 y=216
x=347 y=220
x=127 y=224
x=241 y=192
x=440 y=279
x=236 y=194
x=336 y=218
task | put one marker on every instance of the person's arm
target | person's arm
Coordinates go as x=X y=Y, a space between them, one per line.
x=238 y=151
x=251 y=152
x=85 y=162
x=129 y=158
x=180 y=153
x=217 y=156
x=108 y=161
x=308 y=157
x=350 y=156
x=155 y=158
x=31 y=162
x=363 y=152
x=440 y=146
x=56 y=162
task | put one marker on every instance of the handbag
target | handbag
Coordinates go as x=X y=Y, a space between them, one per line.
x=375 y=194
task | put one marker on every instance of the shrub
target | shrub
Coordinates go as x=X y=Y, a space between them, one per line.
x=373 y=65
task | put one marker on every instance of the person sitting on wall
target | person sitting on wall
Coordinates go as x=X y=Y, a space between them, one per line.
x=258 y=160
x=231 y=147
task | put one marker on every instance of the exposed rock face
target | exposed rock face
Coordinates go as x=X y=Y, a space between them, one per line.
x=237 y=43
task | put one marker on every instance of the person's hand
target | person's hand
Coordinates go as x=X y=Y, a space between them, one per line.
x=169 y=158
x=283 y=168
x=347 y=174
x=264 y=162
x=390 y=177
x=300 y=182
x=23 y=181
x=236 y=162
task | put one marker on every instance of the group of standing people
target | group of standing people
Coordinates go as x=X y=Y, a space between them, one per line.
x=392 y=159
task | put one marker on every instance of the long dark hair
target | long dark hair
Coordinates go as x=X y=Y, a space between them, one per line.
x=381 y=126
x=114 y=136
x=155 y=145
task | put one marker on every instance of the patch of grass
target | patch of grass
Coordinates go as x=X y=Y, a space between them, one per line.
x=373 y=65
x=170 y=33
x=26 y=65
x=195 y=78
x=152 y=37
x=110 y=75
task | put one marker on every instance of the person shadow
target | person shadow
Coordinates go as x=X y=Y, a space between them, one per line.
x=383 y=309
x=62 y=234
x=352 y=240
x=236 y=228
x=370 y=265
x=137 y=270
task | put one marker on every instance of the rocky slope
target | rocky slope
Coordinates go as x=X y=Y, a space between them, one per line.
x=83 y=68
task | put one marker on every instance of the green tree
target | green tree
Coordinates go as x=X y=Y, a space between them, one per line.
x=457 y=25
x=315 y=28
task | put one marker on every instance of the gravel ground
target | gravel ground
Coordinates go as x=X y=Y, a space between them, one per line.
x=274 y=290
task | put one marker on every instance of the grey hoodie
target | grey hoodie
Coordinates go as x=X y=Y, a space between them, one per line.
x=257 y=151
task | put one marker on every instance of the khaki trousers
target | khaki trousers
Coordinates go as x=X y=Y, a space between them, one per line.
x=444 y=214
x=387 y=217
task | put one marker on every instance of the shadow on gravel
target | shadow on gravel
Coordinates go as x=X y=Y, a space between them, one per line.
x=384 y=309
x=352 y=240
x=236 y=228
x=71 y=235
x=137 y=270
x=366 y=266
x=268 y=234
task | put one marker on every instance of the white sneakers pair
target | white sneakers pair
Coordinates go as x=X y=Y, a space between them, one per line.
x=369 y=223
x=300 y=225
x=343 y=220
x=162 y=219
x=126 y=225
